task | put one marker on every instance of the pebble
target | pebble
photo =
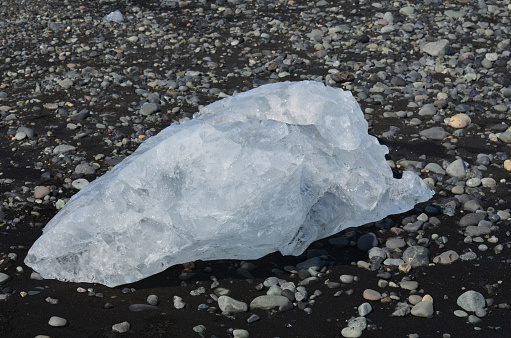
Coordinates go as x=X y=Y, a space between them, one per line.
x=471 y=219
x=351 y=332
x=434 y=133
x=347 y=279
x=152 y=300
x=57 y=321
x=228 y=304
x=457 y=169
x=253 y=318
x=269 y=302
x=395 y=242
x=438 y=48
x=142 y=307
x=416 y=256
x=460 y=313
x=471 y=301
x=414 y=299
x=121 y=327
x=41 y=192
x=446 y=257
x=63 y=148
x=460 y=121
x=80 y=183
x=370 y=294
x=409 y=285
x=4 y=278
x=423 y=309
x=240 y=333
x=367 y=241
x=365 y=309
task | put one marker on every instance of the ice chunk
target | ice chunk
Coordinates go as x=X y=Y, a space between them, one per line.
x=114 y=16
x=271 y=169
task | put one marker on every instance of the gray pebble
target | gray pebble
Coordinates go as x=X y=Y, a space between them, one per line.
x=63 y=148
x=416 y=256
x=446 y=257
x=253 y=318
x=57 y=321
x=228 y=304
x=4 y=277
x=269 y=302
x=351 y=332
x=121 y=327
x=152 y=300
x=148 y=109
x=457 y=169
x=471 y=219
x=471 y=301
x=365 y=309
x=423 y=309
x=434 y=133
x=142 y=307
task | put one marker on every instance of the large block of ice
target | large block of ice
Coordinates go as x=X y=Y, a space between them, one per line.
x=271 y=169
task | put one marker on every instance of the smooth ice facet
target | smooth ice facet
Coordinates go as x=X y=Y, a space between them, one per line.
x=271 y=169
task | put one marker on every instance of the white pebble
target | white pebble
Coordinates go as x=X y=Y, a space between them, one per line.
x=57 y=321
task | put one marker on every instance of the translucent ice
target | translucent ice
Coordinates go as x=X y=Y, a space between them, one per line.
x=114 y=16
x=271 y=169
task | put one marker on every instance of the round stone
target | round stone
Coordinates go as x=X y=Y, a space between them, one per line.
x=4 y=277
x=471 y=301
x=414 y=299
x=57 y=321
x=423 y=309
x=240 y=333
x=152 y=300
x=121 y=327
x=347 y=279
x=79 y=183
x=460 y=313
x=351 y=332
x=370 y=294
x=365 y=309
x=41 y=191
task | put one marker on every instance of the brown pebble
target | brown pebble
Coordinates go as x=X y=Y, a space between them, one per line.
x=370 y=294
x=460 y=121
x=41 y=192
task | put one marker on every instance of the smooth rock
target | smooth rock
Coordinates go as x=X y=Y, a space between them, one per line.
x=460 y=121
x=437 y=48
x=41 y=191
x=457 y=169
x=434 y=133
x=57 y=321
x=4 y=277
x=365 y=309
x=446 y=257
x=240 y=333
x=148 y=109
x=142 y=307
x=370 y=294
x=63 y=148
x=121 y=327
x=423 y=309
x=471 y=301
x=416 y=256
x=266 y=302
x=471 y=219
x=351 y=332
